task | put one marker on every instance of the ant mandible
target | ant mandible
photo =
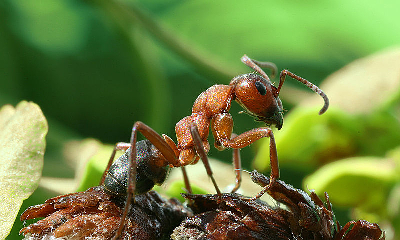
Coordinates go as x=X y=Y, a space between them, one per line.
x=253 y=91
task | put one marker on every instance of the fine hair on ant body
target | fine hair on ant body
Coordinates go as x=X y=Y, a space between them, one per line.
x=253 y=91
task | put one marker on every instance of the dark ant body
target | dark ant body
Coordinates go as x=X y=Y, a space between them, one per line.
x=254 y=92
x=116 y=180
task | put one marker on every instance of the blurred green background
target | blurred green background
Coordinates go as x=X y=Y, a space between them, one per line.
x=97 y=66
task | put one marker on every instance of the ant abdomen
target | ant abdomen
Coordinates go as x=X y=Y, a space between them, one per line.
x=147 y=174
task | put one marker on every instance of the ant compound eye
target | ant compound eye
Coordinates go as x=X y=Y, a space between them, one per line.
x=260 y=88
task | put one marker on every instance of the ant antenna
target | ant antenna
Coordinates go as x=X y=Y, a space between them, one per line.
x=256 y=66
x=308 y=84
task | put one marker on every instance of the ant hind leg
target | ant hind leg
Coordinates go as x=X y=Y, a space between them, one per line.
x=118 y=146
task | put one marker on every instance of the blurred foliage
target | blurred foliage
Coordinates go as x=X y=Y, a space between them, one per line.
x=97 y=66
x=370 y=185
x=22 y=145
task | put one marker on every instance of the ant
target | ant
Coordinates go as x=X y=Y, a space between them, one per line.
x=148 y=161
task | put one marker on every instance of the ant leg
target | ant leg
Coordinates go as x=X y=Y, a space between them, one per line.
x=221 y=126
x=248 y=138
x=200 y=151
x=131 y=183
x=117 y=146
x=176 y=151
x=162 y=145
x=307 y=83
x=171 y=143
x=273 y=155
x=188 y=188
x=238 y=168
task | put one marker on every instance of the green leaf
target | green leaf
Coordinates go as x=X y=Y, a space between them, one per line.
x=93 y=160
x=362 y=182
x=22 y=146
x=365 y=86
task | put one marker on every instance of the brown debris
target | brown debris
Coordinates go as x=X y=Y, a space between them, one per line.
x=233 y=216
x=96 y=214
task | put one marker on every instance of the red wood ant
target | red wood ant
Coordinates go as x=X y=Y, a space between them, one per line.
x=253 y=91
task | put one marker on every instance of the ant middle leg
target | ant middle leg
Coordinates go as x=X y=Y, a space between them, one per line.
x=198 y=144
x=188 y=188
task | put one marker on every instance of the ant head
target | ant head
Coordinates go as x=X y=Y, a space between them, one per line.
x=259 y=98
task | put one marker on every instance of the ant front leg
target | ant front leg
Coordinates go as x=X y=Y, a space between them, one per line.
x=251 y=136
x=222 y=125
x=237 y=167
